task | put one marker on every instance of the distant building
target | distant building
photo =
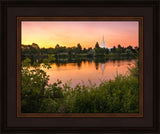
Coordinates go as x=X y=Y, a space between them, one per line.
x=103 y=44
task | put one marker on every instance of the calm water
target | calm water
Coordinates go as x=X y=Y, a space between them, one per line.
x=86 y=72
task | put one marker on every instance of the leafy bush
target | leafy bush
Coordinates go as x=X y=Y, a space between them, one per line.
x=118 y=96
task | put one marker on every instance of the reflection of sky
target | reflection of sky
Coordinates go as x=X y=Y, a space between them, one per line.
x=87 y=33
x=87 y=71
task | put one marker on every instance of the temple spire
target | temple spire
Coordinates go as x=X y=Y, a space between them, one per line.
x=103 y=44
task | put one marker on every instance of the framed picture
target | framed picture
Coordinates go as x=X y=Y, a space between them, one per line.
x=74 y=67
x=79 y=93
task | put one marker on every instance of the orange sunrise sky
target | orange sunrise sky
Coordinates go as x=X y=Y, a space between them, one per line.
x=87 y=33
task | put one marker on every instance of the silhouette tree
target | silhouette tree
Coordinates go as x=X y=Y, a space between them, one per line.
x=113 y=50
x=130 y=48
x=79 y=46
x=97 y=45
x=57 y=46
x=119 y=46
x=107 y=51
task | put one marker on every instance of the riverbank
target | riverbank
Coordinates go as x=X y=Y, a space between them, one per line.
x=77 y=57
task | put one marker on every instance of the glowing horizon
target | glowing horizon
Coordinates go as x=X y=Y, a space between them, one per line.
x=87 y=33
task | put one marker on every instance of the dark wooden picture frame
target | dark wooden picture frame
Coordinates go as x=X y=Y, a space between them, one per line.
x=13 y=120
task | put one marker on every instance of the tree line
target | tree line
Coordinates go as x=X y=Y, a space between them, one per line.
x=62 y=50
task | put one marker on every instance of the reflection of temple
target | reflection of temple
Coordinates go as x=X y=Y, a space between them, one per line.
x=103 y=66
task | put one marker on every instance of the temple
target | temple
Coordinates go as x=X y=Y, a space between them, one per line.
x=103 y=44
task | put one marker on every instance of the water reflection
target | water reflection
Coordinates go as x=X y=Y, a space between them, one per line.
x=103 y=66
x=85 y=71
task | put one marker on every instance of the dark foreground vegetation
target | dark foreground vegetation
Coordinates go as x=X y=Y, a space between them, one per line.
x=114 y=96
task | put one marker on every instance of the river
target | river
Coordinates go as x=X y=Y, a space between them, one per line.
x=88 y=72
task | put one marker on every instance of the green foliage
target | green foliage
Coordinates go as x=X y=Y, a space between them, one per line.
x=51 y=57
x=119 y=96
x=134 y=70
x=26 y=62
x=47 y=62
x=79 y=48
x=100 y=51
x=33 y=82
